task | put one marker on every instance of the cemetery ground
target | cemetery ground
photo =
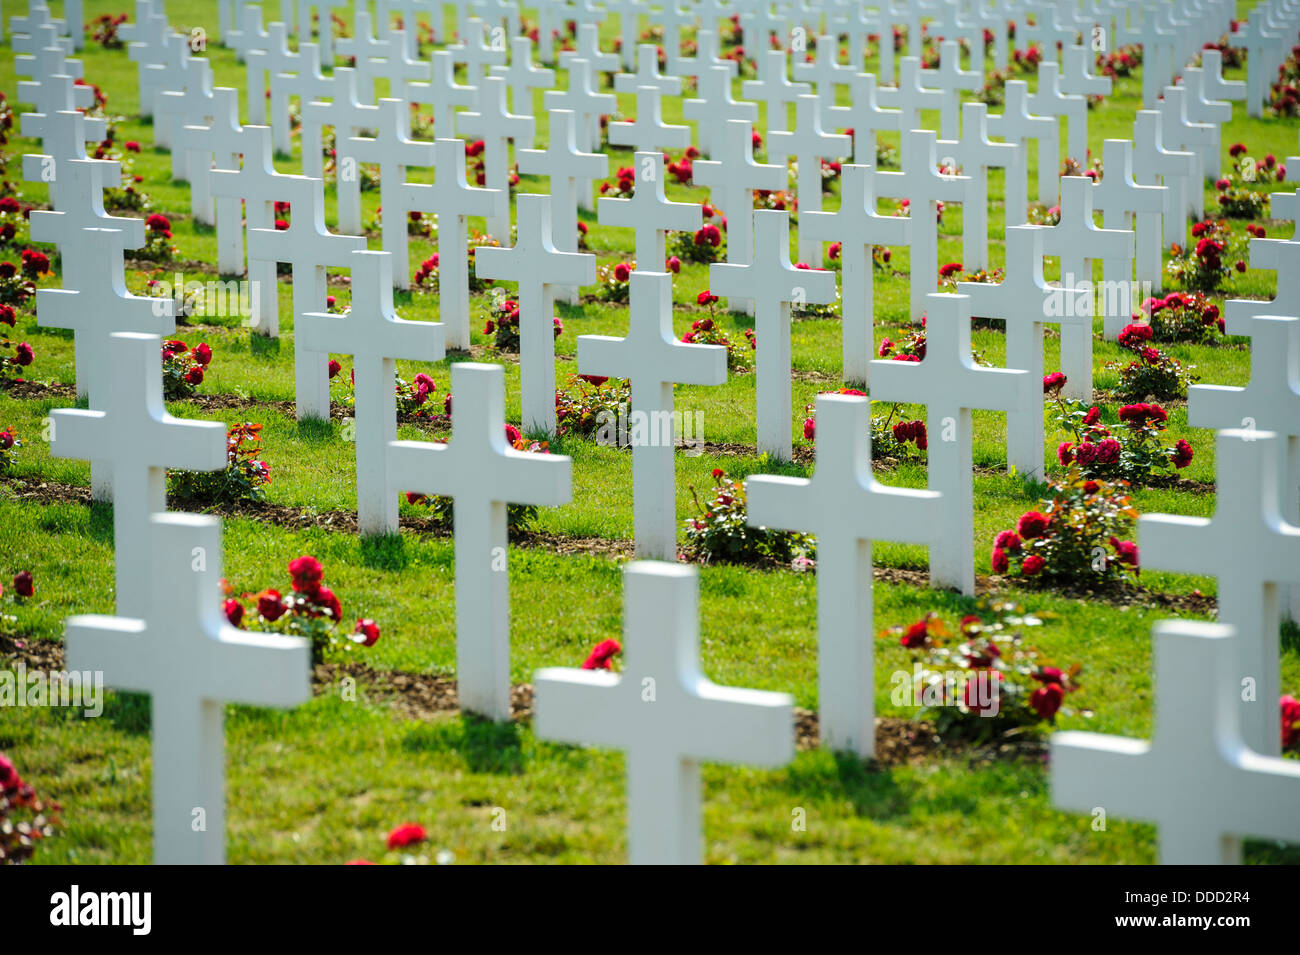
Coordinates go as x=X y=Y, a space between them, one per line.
x=324 y=782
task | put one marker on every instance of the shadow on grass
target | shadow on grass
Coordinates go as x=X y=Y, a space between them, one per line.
x=101 y=523
x=315 y=431
x=489 y=747
x=131 y=713
x=384 y=552
x=263 y=346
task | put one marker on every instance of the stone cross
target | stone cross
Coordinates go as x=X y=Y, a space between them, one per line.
x=587 y=104
x=134 y=438
x=825 y=73
x=309 y=248
x=1203 y=110
x=951 y=385
x=1077 y=241
x=1016 y=124
x=205 y=146
x=1270 y=401
x=375 y=337
x=538 y=267
x=481 y=475
x=731 y=178
x=847 y=509
x=497 y=126
x=923 y=186
x=672 y=18
x=63 y=135
x=1200 y=139
x=686 y=719
x=250 y=35
x=258 y=63
x=913 y=96
x=952 y=81
x=774 y=88
x=652 y=358
x=1215 y=86
x=147 y=50
x=715 y=106
x=445 y=94
x=307 y=83
x=648 y=131
x=808 y=144
x=1197 y=778
x=392 y=149
x=568 y=168
x=1023 y=300
x=857 y=226
x=588 y=48
x=648 y=212
x=1153 y=164
x=1126 y=205
x=647 y=74
x=976 y=154
x=629 y=22
x=773 y=284
x=1050 y=101
x=1265 y=549
x=348 y=117
x=180 y=650
x=453 y=200
x=257 y=186
x=866 y=118
x=522 y=77
x=476 y=52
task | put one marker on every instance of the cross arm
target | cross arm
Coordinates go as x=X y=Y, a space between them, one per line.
x=547 y=477
x=117 y=646
x=580 y=707
x=419 y=466
x=741 y=725
x=262 y=669
x=1174 y=542
x=1091 y=770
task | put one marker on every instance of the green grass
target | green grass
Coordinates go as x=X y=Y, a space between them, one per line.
x=325 y=782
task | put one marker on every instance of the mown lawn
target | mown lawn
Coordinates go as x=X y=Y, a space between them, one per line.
x=325 y=782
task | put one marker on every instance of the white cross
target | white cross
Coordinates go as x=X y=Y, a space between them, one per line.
x=257 y=184
x=586 y=103
x=1077 y=241
x=629 y=21
x=187 y=97
x=325 y=28
x=672 y=18
x=258 y=63
x=180 y=651
x=1214 y=85
x=774 y=88
x=652 y=359
x=773 y=284
x=251 y=35
x=1023 y=300
x=866 y=118
x=1265 y=555
x=1270 y=401
x=148 y=52
x=857 y=227
x=809 y=143
x=63 y=141
x=761 y=25
x=847 y=509
x=225 y=137
x=364 y=47
x=538 y=267
x=825 y=73
x=136 y=440
x=476 y=53
x=588 y=48
x=1125 y=204
x=951 y=385
x=1200 y=139
x=1016 y=124
x=453 y=201
x=1156 y=59
x=522 y=77
x=1202 y=109
x=394 y=152
x=952 y=80
x=976 y=154
x=305 y=82
x=375 y=337
x=1050 y=101
x=444 y=94
x=348 y=117
x=1153 y=164
x=647 y=74
x=1196 y=779
x=309 y=248
x=706 y=56
x=648 y=131
x=922 y=185
x=481 y=475
x=731 y=178
x=200 y=146
x=715 y=106
x=567 y=167
x=686 y=719
x=648 y=212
